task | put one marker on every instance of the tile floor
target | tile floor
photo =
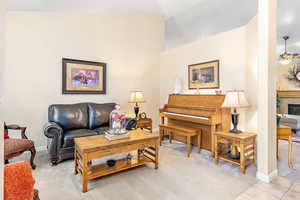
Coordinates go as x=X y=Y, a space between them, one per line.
x=285 y=187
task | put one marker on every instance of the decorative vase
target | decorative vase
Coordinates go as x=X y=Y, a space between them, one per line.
x=117 y=122
x=177 y=86
x=111 y=163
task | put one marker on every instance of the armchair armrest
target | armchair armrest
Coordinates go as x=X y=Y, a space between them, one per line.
x=16 y=127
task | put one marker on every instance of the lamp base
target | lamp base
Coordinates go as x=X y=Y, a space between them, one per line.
x=136 y=110
x=235 y=131
x=235 y=121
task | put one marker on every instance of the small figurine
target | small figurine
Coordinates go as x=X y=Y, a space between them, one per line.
x=129 y=157
x=140 y=154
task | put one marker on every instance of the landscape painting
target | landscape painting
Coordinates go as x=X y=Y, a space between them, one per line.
x=204 y=75
x=83 y=77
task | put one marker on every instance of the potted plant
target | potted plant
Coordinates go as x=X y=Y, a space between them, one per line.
x=278 y=117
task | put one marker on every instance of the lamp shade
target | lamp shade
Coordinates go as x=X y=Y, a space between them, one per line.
x=235 y=99
x=136 y=97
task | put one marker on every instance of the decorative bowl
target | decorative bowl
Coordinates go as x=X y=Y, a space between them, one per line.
x=111 y=163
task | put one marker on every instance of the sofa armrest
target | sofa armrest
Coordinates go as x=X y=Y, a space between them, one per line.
x=52 y=130
x=54 y=133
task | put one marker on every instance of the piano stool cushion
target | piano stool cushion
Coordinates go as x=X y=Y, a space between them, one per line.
x=181 y=128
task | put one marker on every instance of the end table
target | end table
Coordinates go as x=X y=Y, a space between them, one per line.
x=285 y=133
x=245 y=141
x=144 y=123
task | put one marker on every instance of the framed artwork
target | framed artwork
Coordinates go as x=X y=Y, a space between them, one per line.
x=204 y=75
x=83 y=77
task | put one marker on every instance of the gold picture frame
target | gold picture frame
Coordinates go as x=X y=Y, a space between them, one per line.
x=204 y=75
x=83 y=77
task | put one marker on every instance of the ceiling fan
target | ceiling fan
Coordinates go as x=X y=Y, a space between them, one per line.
x=287 y=58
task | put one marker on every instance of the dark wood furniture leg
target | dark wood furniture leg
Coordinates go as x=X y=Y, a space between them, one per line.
x=54 y=161
x=33 y=152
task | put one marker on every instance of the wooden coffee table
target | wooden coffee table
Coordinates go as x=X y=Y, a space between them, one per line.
x=94 y=147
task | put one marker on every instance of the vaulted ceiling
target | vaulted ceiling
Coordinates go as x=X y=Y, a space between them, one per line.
x=186 y=20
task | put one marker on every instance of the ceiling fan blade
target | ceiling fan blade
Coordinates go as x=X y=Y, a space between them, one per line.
x=297 y=56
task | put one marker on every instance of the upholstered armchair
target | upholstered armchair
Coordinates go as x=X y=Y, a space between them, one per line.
x=14 y=147
x=18 y=182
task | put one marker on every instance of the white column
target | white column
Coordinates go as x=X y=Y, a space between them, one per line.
x=266 y=149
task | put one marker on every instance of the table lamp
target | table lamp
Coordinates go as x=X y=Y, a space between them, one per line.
x=136 y=97
x=235 y=99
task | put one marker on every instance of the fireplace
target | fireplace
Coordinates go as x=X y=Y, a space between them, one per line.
x=294 y=109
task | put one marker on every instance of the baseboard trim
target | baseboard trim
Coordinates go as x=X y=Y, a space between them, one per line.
x=267 y=177
x=41 y=148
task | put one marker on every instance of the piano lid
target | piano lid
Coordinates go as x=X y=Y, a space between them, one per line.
x=194 y=101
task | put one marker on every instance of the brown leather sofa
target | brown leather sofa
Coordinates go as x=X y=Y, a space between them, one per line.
x=69 y=121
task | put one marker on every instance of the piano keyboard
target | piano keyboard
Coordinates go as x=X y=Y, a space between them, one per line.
x=184 y=115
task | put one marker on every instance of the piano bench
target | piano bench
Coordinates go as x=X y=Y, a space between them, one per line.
x=186 y=131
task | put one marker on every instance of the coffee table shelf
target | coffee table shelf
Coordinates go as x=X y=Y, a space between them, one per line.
x=226 y=158
x=121 y=164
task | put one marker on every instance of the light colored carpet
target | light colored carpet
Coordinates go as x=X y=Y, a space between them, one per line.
x=177 y=178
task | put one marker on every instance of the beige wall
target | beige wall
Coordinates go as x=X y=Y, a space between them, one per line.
x=36 y=42
x=251 y=75
x=228 y=47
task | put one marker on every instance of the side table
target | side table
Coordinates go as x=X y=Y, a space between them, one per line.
x=245 y=141
x=144 y=123
x=285 y=133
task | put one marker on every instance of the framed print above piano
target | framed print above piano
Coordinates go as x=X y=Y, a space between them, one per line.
x=204 y=75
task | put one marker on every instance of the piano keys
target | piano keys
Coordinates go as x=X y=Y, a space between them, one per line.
x=200 y=111
x=183 y=115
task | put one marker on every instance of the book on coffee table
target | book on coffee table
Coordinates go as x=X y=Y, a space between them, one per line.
x=117 y=137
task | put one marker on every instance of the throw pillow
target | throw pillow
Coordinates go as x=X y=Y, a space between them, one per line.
x=6 y=136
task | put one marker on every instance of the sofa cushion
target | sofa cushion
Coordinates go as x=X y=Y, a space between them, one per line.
x=72 y=116
x=101 y=130
x=99 y=114
x=70 y=135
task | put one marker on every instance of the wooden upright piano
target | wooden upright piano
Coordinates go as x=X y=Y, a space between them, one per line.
x=200 y=111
